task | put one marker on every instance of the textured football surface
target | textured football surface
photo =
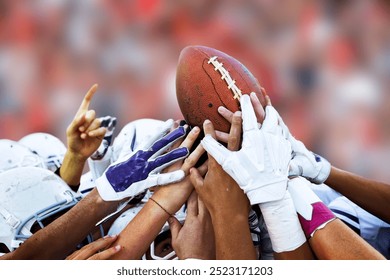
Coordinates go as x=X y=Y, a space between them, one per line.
x=206 y=79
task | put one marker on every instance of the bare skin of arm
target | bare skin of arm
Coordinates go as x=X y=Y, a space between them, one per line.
x=98 y=250
x=60 y=237
x=84 y=136
x=303 y=252
x=371 y=195
x=336 y=241
x=148 y=222
x=226 y=202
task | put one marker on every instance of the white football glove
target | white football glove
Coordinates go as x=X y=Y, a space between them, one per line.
x=260 y=168
x=304 y=162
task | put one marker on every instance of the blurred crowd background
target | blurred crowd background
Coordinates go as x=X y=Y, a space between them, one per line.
x=325 y=64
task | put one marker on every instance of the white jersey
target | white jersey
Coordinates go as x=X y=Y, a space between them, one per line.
x=326 y=194
x=372 y=229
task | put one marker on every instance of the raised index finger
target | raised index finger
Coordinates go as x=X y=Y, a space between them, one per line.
x=87 y=99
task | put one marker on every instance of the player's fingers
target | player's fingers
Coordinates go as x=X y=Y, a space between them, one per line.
x=87 y=99
x=196 y=180
x=215 y=150
x=203 y=168
x=192 y=205
x=76 y=123
x=266 y=97
x=192 y=159
x=89 y=118
x=234 y=138
x=175 y=227
x=224 y=112
x=158 y=133
x=168 y=159
x=248 y=114
x=202 y=209
x=175 y=125
x=259 y=110
x=92 y=248
x=191 y=138
x=208 y=128
x=222 y=136
x=96 y=123
x=106 y=254
x=99 y=132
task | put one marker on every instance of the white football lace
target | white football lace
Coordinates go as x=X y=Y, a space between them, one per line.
x=226 y=76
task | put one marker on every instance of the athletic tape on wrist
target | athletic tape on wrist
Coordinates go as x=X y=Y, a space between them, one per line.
x=283 y=224
x=320 y=217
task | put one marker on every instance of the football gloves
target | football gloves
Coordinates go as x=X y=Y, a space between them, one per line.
x=304 y=162
x=260 y=168
x=140 y=170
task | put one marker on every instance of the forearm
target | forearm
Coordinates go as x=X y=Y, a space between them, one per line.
x=60 y=237
x=303 y=252
x=285 y=231
x=336 y=241
x=233 y=240
x=371 y=195
x=136 y=238
x=72 y=168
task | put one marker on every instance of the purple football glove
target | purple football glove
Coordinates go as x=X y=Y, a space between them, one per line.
x=140 y=170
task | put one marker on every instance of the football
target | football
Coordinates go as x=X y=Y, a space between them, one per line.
x=207 y=78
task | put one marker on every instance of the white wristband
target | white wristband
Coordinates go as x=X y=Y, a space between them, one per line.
x=283 y=225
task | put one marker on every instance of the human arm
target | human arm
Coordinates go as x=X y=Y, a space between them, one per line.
x=260 y=168
x=148 y=222
x=329 y=237
x=371 y=195
x=227 y=204
x=97 y=250
x=194 y=239
x=84 y=136
x=59 y=238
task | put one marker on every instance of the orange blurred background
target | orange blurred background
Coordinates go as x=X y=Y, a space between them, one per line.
x=325 y=64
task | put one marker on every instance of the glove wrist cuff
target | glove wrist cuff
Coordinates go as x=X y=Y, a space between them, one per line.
x=106 y=192
x=283 y=225
x=320 y=217
x=323 y=174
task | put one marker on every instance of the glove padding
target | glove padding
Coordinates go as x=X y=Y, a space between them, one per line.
x=308 y=164
x=109 y=123
x=260 y=168
x=140 y=170
x=304 y=162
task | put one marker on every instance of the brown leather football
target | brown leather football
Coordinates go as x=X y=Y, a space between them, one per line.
x=206 y=79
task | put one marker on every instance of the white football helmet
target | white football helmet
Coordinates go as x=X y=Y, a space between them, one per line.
x=121 y=222
x=47 y=146
x=87 y=184
x=132 y=135
x=14 y=154
x=30 y=198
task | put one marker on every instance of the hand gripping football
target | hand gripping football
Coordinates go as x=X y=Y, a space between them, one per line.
x=206 y=79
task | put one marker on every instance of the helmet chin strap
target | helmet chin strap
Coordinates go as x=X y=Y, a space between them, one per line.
x=13 y=222
x=10 y=219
